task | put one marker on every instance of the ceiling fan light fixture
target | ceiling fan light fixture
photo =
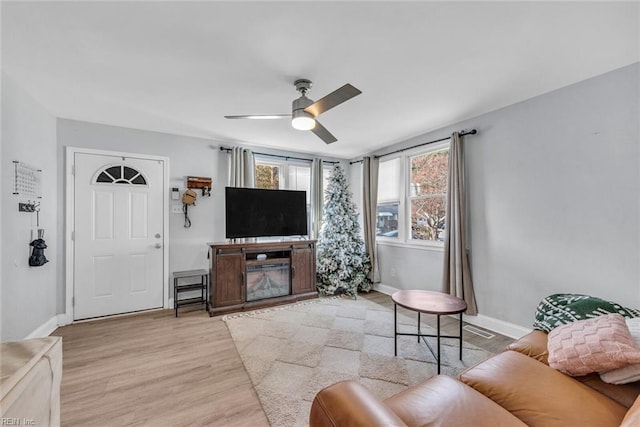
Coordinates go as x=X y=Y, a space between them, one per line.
x=304 y=110
x=303 y=120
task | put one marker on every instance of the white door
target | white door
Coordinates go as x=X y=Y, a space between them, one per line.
x=118 y=216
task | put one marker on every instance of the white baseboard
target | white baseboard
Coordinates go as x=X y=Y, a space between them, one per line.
x=507 y=329
x=510 y=330
x=385 y=289
x=45 y=329
x=64 y=319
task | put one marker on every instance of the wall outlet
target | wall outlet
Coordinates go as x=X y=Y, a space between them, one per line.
x=177 y=209
x=393 y=272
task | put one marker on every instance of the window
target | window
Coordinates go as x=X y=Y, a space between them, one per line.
x=327 y=171
x=300 y=179
x=412 y=192
x=427 y=194
x=267 y=176
x=387 y=214
x=120 y=174
x=284 y=175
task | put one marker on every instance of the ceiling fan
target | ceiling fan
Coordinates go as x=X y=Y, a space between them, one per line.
x=304 y=110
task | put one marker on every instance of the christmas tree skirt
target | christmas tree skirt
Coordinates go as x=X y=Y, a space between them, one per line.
x=291 y=352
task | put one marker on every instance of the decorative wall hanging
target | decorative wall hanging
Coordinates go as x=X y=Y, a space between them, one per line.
x=200 y=182
x=27 y=180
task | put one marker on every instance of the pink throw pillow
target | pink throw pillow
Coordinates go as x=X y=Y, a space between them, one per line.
x=593 y=345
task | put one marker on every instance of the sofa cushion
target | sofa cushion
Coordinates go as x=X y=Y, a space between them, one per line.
x=624 y=394
x=442 y=401
x=539 y=395
x=594 y=345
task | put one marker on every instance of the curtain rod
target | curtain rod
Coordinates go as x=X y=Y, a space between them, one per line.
x=462 y=133
x=280 y=156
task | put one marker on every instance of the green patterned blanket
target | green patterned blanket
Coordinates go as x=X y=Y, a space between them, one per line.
x=559 y=309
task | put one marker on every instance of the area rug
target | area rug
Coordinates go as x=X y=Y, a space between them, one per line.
x=291 y=352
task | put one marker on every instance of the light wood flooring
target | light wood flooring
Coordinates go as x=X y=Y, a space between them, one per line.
x=153 y=369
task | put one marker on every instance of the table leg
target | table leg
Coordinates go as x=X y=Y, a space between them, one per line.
x=206 y=293
x=175 y=295
x=460 y=336
x=395 y=329
x=438 y=344
x=418 y=327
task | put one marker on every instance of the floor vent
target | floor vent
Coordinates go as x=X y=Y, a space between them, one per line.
x=474 y=330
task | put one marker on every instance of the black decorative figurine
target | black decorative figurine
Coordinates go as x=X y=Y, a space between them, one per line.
x=37 y=257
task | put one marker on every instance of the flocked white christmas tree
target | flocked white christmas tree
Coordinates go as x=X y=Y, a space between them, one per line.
x=343 y=263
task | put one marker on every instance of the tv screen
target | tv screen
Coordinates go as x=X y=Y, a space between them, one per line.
x=255 y=212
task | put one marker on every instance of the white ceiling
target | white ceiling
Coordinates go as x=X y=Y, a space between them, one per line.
x=179 y=67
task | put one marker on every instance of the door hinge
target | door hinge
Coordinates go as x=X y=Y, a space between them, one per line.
x=73 y=169
x=73 y=301
x=73 y=236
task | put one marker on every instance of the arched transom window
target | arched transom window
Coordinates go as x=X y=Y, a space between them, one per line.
x=121 y=174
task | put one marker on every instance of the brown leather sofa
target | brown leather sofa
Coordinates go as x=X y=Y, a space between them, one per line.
x=513 y=388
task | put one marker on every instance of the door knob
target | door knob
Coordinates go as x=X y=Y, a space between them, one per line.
x=158 y=235
x=158 y=245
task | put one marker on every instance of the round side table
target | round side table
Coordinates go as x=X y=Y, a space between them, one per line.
x=427 y=302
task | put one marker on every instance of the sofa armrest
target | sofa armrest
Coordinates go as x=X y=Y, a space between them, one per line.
x=534 y=345
x=632 y=418
x=349 y=404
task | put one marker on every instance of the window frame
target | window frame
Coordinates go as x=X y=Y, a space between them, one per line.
x=404 y=238
x=280 y=165
x=432 y=148
x=122 y=179
x=401 y=191
x=283 y=180
x=327 y=170
x=283 y=168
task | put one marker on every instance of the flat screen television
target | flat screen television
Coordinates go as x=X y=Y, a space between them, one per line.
x=256 y=212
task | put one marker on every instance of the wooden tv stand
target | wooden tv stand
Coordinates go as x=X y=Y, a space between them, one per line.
x=233 y=265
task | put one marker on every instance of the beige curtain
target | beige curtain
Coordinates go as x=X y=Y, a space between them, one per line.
x=241 y=168
x=317 y=197
x=369 y=208
x=457 y=275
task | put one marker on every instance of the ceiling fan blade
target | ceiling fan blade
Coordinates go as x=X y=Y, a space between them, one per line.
x=322 y=133
x=336 y=97
x=260 y=116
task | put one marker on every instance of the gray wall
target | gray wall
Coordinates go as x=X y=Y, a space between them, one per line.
x=27 y=294
x=554 y=192
x=187 y=157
